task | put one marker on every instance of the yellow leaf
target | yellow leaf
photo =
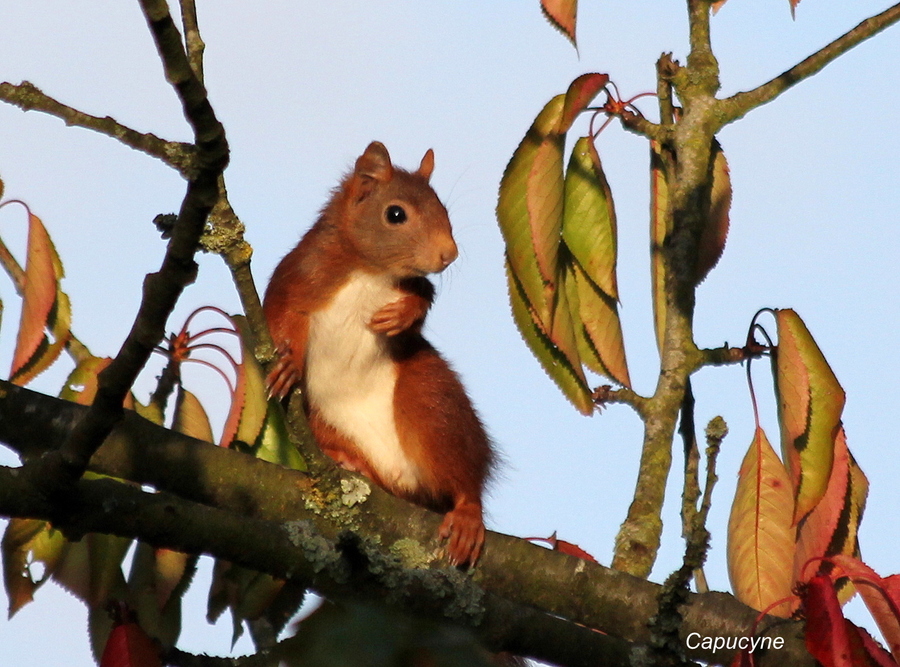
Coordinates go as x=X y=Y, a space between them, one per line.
x=660 y=226
x=760 y=530
x=190 y=417
x=602 y=346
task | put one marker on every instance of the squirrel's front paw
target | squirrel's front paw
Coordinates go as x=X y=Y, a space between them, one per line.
x=399 y=315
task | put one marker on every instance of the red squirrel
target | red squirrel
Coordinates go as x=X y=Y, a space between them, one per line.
x=345 y=308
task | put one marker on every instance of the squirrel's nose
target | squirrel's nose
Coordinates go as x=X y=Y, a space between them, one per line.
x=448 y=253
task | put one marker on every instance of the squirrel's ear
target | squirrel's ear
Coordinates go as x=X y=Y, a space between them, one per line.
x=427 y=164
x=375 y=163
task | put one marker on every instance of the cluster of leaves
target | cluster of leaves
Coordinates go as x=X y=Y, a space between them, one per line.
x=788 y=514
x=835 y=641
x=34 y=551
x=560 y=233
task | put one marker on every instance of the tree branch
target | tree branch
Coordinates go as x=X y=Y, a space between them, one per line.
x=738 y=105
x=29 y=97
x=384 y=529
x=58 y=470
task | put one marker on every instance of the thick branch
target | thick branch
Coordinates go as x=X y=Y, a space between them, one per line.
x=738 y=105
x=28 y=97
x=517 y=571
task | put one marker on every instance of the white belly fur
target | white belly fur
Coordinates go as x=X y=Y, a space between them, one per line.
x=350 y=379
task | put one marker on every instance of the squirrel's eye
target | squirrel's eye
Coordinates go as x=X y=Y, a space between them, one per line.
x=395 y=214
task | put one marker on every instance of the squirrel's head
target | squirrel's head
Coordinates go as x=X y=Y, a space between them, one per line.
x=394 y=219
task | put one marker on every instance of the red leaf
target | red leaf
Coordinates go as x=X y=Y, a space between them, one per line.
x=866 y=651
x=129 y=646
x=882 y=597
x=826 y=633
x=563 y=546
x=562 y=15
x=580 y=93
x=43 y=270
x=831 y=528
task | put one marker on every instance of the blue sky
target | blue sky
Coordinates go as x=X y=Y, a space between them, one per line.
x=302 y=88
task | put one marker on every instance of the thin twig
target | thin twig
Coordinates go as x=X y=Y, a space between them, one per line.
x=29 y=97
x=736 y=106
x=192 y=39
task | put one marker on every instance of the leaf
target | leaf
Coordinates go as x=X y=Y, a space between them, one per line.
x=864 y=650
x=579 y=94
x=514 y=213
x=245 y=592
x=44 y=306
x=156 y=582
x=544 y=199
x=715 y=231
x=881 y=595
x=760 y=533
x=717 y=5
x=570 y=379
x=190 y=417
x=810 y=402
x=660 y=226
x=129 y=646
x=601 y=344
x=530 y=202
x=562 y=16
x=274 y=444
x=712 y=237
x=25 y=543
x=826 y=633
x=589 y=218
x=81 y=385
x=831 y=528
x=249 y=405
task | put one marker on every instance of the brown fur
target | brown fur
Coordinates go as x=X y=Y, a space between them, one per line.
x=437 y=426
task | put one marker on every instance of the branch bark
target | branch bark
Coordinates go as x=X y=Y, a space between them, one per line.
x=736 y=106
x=310 y=518
x=28 y=97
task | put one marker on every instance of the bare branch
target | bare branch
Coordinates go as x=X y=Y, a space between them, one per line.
x=192 y=39
x=738 y=105
x=29 y=97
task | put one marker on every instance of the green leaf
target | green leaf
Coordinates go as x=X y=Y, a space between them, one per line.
x=274 y=444
x=589 y=220
x=515 y=205
x=570 y=379
x=810 y=402
x=760 y=532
